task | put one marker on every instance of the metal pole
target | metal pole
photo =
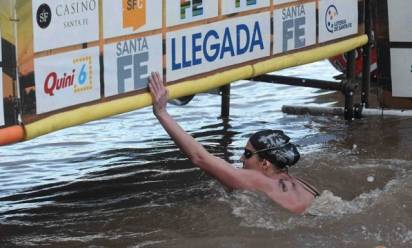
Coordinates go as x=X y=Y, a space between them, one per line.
x=225 y=110
x=366 y=73
x=349 y=87
x=17 y=88
x=295 y=81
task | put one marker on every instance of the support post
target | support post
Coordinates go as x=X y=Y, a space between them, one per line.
x=349 y=87
x=366 y=73
x=225 y=109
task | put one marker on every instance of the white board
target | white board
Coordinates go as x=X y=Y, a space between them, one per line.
x=130 y=17
x=401 y=70
x=337 y=19
x=61 y=23
x=67 y=79
x=128 y=63
x=400 y=16
x=180 y=12
x=230 y=7
x=294 y=27
x=214 y=46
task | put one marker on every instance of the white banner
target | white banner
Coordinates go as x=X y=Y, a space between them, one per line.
x=401 y=70
x=125 y=17
x=230 y=7
x=60 y=23
x=213 y=46
x=67 y=79
x=337 y=19
x=400 y=28
x=128 y=63
x=294 y=27
x=185 y=11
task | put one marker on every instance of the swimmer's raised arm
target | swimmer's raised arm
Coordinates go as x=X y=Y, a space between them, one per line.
x=217 y=167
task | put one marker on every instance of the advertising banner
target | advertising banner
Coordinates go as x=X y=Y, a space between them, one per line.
x=337 y=19
x=401 y=69
x=128 y=63
x=214 y=46
x=125 y=17
x=230 y=7
x=61 y=23
x=400 y=28
x=294 y=27
x=1 y=86
x=67 y=79
x=185 y=11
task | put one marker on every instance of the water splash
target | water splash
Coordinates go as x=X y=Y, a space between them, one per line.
x=256 y=210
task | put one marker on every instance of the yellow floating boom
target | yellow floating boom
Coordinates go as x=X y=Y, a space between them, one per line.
x=107 y=109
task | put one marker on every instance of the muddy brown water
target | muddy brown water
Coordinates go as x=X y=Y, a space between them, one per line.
x=121 y=182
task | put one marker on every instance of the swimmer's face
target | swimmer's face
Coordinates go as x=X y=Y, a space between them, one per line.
x=250 y=160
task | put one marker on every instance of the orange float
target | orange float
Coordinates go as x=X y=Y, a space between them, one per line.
x=10 y=135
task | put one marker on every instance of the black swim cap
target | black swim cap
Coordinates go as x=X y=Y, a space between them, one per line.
x=283 y=154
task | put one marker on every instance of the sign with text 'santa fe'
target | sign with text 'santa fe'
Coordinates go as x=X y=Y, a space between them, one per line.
x=73 y=79
x=337 y=19
x=236 y=6
x=186 y=11
x=294 y=27
x=1 y=87
x=61 y=23
x=212 y=46
x=125 y=17
x=128 y=63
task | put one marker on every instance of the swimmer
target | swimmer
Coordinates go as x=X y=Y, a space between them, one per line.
x=267 y=156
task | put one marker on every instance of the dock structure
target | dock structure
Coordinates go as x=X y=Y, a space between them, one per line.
x=65 y=63
x=379 y=59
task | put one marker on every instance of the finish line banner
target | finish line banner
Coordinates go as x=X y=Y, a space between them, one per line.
x=213 y=46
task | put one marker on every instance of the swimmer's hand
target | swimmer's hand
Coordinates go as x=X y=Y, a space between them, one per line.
x=159 y=93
